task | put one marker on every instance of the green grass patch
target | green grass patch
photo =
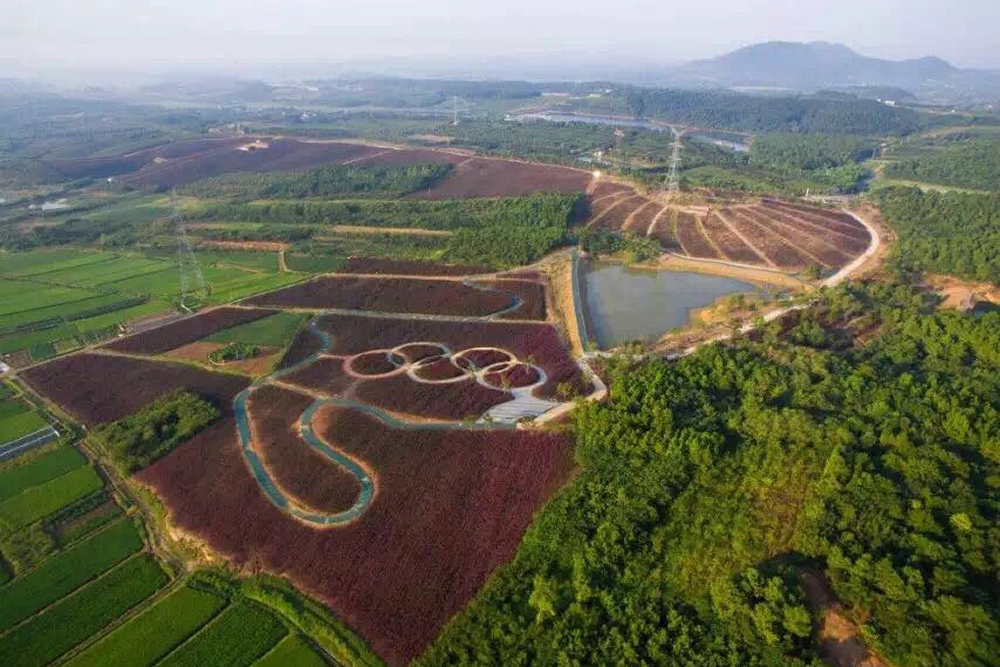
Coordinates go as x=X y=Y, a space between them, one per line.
x=53 y=464
x=33 y=339
x=65 y=572
x=9 y=409
x=314 y=263
x=79 y=616
x=18 y=425
x=75 y=528
x=39 y=501
x=155 y=632
x=292 y=650
x=139 y=439
x=274 y=331
x=236 y=638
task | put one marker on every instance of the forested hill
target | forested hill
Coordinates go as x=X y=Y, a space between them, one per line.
x=708 y=486
x=826 y=114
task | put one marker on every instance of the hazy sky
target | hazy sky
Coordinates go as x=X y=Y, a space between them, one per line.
x=137 y=34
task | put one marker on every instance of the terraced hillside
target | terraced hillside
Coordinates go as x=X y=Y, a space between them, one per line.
x=770 y=233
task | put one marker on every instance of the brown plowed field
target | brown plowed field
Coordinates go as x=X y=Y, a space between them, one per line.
x=614 y=217
x=818 y=246
x=728 y=242
x=187 y=330
x=100 y=388
x=777 y=250
x=305 y=474
x=450 y=508
x=482 y=177
x=691 y=240
x=390 y=295
x=851 y=242
x=639 y=224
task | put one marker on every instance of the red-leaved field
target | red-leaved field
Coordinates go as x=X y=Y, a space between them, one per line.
x=353 y=334
x=450 y=507
x=100 y=388
x=188 y=330
x=390 y=295
x=407 y=267
x=494 y=177
x=304 y=474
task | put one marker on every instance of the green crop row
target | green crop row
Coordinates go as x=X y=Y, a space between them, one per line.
x=38 y=471
x=79 y=616
x=39 y=501
x=65 y=572
x=236 y=638
x=153 y=633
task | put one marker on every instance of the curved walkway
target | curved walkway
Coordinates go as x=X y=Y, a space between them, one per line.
x=503 y=416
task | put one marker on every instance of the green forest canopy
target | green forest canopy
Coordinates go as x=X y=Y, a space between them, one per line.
x=952 y=233
x=706 y=486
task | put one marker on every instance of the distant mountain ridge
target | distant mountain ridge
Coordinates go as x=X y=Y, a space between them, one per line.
x=817 y=65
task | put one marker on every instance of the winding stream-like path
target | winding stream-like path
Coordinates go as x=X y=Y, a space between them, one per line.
x=272 y=489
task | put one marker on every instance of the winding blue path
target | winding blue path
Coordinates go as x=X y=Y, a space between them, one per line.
x=271 y=489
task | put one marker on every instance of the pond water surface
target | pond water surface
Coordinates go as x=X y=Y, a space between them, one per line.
x=626 y=304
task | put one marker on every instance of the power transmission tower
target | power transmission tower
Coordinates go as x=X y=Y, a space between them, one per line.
x=672 y=183
x=187 y=263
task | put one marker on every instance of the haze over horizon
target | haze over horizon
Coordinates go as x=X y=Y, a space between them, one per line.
x=226 y=35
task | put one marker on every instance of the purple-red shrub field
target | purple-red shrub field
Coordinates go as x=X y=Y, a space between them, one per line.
x=449 y=508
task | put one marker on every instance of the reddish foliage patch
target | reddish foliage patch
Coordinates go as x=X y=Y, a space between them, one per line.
x=729 y=243
x=405 y=267
x=280 y=155
x=374 y=363
x=187 y=330
x=305 y=474
x=818 y=246
x=451 y=402
x=599 y=207
x=605 y=188
x=407 y=156
x=481 y=358
x=441 y=369
x=640 y=222
x=769 y=243
x=490 y=177
x=110 y=166
x=391 y=295
x=692 y=241
x=853 y=239
x=325 y=375
x=417 y=351
x=664 y=230
x=614 y=217
x=537 y=343
x=831 y=218
x=304 y=345
x=531 y=293
x=520 y=375
x=450 y=508
x=100 y=388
